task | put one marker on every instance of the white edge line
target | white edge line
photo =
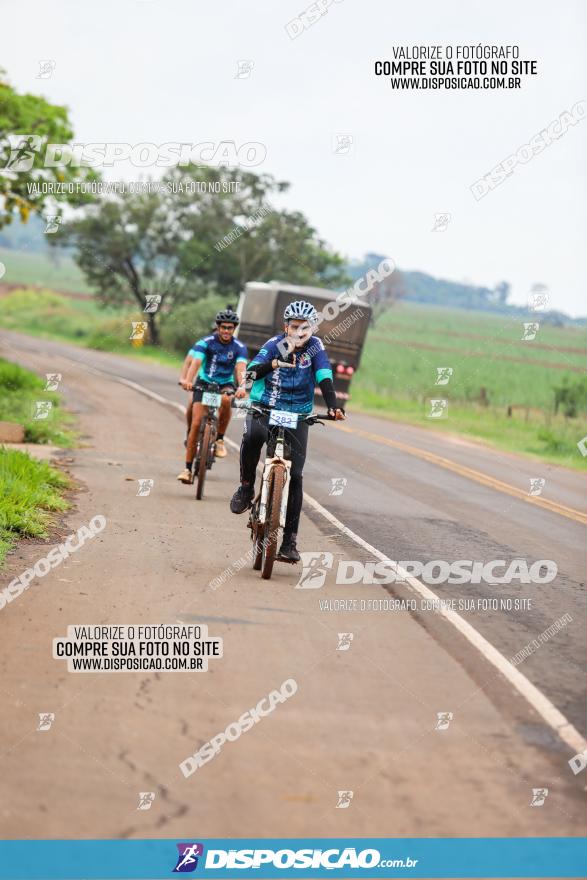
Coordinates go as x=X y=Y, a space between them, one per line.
x=553 y=717
x=539 y=702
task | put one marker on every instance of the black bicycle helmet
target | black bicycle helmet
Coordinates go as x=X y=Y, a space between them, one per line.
x=229 y=316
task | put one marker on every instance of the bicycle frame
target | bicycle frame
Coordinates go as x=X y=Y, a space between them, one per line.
x=210 y=417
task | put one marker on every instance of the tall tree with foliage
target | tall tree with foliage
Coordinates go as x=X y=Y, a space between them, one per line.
x=129 y=248
x=23 y=116
x=182 y=241
x=238 y=236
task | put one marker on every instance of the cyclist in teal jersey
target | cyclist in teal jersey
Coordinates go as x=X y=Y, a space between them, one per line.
x=220 y=359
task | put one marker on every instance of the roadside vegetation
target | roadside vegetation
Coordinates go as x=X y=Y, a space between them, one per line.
x=19 y=392
x=85 y=322
x=53 y=271
x=30 y=490
x=523 y=396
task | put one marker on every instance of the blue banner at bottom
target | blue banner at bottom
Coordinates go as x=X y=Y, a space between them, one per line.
x=305 y=857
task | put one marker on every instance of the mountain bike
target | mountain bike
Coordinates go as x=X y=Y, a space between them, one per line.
x=269 y=507
x=206 y=447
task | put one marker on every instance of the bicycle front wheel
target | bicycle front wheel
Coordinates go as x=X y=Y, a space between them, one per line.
x=257 y=546
x=271 y=530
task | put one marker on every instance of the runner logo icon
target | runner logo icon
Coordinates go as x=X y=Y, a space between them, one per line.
x=315 y=565
x=187 y=859
x=23 y=149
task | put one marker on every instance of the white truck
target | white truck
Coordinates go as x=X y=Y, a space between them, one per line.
x=262 y=304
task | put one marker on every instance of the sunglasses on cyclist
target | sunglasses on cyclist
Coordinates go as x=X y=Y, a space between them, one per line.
x=226 y=326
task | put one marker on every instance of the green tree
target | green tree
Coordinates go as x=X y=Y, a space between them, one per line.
x=22 y=116
x=238 y=235
x=129 y=249
x=184 y=240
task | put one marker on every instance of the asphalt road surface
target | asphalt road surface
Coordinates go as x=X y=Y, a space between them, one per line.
x=364 y=719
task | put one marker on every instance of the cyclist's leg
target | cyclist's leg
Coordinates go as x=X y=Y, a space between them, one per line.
x=254 y=436
x=225 y=412
x=188 y=419
x=298 y=443
x=198 y=412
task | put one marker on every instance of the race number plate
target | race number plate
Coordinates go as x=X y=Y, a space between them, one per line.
x=283 y=418
x=210 y=399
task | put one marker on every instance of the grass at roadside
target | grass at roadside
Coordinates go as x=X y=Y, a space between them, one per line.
x=409 y=342
x=53 y=270
x=51 y=315
x=20 y=391
x=548 y=438
x=80 y=322
x=489 y=359
x=30 y=491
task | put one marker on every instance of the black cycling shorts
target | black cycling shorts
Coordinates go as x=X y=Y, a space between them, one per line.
x=200 y=387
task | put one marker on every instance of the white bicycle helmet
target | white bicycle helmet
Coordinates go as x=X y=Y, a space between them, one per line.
x=300 y=310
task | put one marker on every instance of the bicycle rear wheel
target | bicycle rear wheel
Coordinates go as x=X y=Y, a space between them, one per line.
x=271 y=530
x=204 y=450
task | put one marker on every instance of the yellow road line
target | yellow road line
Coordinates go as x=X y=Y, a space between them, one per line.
x=471 y=474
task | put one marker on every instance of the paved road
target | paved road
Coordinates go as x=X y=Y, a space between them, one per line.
x=363 y=719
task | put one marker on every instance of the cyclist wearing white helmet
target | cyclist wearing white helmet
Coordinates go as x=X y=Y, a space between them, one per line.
x=286 y=384
x=301 y=309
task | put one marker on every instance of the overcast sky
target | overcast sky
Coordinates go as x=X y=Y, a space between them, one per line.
x=164 y=70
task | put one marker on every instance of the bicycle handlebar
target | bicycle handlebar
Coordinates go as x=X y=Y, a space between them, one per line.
x=259 y=409
x=213 y=388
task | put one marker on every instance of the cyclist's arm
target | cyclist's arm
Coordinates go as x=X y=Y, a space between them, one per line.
x=193 y=371
x=197 y=353
x=240 y=371
x=258 y=371
x=323 y=374
x=264 y=362
x=185 y=367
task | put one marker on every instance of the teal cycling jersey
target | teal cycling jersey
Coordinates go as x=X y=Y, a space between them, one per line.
x=218 y=358
x=291 y=388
